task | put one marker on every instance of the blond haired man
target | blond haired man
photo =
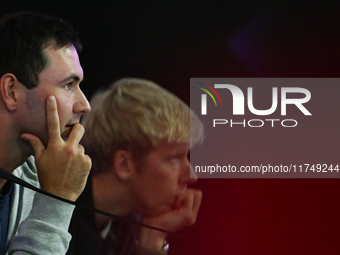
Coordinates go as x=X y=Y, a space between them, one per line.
x=138 y=136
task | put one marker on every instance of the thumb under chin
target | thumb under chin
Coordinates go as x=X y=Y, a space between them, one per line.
x=35 y=142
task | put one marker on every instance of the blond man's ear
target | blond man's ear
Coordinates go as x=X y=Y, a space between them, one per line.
x=123 y=165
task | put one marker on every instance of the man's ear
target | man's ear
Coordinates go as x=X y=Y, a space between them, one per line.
x=123 y=164
x=9 y=91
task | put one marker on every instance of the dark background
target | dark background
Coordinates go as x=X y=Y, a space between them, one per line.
x=169 y=42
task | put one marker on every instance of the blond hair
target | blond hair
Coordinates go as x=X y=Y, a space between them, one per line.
x=136 y=115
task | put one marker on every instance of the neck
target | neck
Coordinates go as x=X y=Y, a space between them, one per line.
x=13 y=151
x=109 y=195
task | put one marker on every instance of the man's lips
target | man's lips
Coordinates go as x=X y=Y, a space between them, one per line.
x=68 y=128
x=71 y=125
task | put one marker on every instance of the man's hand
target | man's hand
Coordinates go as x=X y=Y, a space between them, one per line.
x=184 y=214
x=63 y=166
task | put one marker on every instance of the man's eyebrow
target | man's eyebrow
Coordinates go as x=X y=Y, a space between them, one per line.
x=72 y=77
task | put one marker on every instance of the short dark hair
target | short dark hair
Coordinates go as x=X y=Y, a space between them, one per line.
x=23 y=37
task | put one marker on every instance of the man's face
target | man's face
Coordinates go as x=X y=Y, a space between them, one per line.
x=162 y=175
x=61 y=77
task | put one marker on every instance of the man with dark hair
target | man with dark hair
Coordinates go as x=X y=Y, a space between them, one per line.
x=40 y=107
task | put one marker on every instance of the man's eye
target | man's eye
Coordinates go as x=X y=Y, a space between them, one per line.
x=68 y=86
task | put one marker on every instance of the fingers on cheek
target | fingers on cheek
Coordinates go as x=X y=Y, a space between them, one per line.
x=190 y=218
x=199 y=194
x=89 y=162
x=69 y=151
x=79 y=129
x=81 y=149
x=178 y=203
x=74 y=150
x=85 y=159
x=53 y=124
x=197 y=198
x=184 y=202
x=194 y=201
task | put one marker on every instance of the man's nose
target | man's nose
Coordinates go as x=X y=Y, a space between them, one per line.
x=81 y=104
x=193 y=176
x=188 y=176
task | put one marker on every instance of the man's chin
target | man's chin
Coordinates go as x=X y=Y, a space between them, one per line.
x=28 y=148
x=66 y=133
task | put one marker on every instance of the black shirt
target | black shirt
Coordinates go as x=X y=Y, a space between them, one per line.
x=87 y=239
